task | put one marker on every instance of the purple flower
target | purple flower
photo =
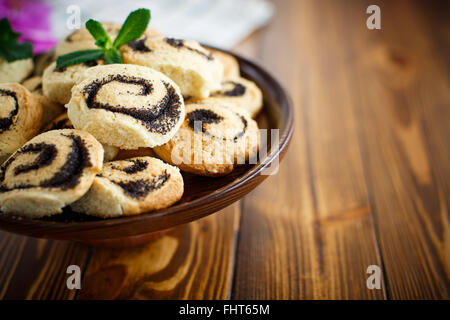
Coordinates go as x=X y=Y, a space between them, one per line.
x=32 y=20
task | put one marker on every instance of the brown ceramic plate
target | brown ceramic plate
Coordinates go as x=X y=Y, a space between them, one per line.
x=202 y=195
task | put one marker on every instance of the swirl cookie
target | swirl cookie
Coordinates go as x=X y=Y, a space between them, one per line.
x=63 y=122
x=130 y=187
x=188 y=64
x=15 y=71
x=230 y=64
x=127 y=106
x=241 y=93
x=51 y=109
x=81 y=39
x=49 y=172
x=212 y=139
x=20 y=117
x=57 y=83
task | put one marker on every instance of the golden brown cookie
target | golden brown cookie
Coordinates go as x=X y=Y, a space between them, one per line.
x=238 y=92
x=57 y=83
x=127 y=106
x=49 y=172
x=230 y=64
x=51 y=109
x=20 y=117
x=193 y=68
x=63 y=122
x=212 y=139
x=15 y=71
x=130 y=187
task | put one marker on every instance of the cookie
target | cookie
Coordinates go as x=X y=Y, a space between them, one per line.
x=15 y=71
x=130 y=187
x=127 y=106
x=238 y=92
x=51 y=109
x=42 y=61
x=63 y=122
x=81 y=39
x=230 y=64
x=57 y=83
x=193 y=68
x=20 y=117
x=212 y=139
x=49 y=172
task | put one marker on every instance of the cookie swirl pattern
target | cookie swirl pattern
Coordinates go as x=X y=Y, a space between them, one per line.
x=133 y=186
x=127 y=106
x=50 y=171
x=212 y=140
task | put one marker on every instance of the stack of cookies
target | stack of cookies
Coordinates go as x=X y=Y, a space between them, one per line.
x=109 y=140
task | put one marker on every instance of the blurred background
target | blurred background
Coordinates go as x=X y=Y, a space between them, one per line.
x=221 y=23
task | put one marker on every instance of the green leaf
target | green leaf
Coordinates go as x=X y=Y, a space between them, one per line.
x=133 y=27
x=6 y=32
x=113 y=56
x=99 y=34
x=78 y=57
x=17 y=51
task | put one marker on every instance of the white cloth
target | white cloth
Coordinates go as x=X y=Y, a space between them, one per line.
x=221 y=23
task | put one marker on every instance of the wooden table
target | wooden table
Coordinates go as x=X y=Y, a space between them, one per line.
x=365 y=182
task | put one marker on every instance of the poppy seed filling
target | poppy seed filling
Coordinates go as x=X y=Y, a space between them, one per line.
x=68 y=175
x=177 y=43
x=139 y=45
x=160 y=118
x=6 y=123
x=205 y=116
x=137 y=165
x=142 y=187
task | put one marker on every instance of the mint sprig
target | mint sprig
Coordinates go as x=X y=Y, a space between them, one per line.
x=9 y=48
x=133 y=27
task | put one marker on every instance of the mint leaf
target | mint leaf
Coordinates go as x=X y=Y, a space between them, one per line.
x=133 y=27
x=17 y=51
x=78 y=57
x=98 y=32
x=9 y=48
x=6 y=32
x=113 y=56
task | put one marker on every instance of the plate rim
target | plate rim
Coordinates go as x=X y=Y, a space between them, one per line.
x=284 y=139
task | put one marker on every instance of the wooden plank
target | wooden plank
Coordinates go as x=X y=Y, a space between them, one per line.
x=404 y=88
x=308 y=232
x=36 y=268
x=193 y=261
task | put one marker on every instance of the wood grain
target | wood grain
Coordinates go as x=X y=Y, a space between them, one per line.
x=317 y=220
x=402 y=149
x=35 y=268
x=193 y=261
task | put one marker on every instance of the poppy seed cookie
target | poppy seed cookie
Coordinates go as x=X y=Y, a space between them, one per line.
x=127 y=106
x=20 y=117
x=193 y=68
x=212 y=139
x=230 y=64
x=130 y=187
x=63 y=122
x=51 y=109
x=15 y=71
x=57 y=83
x=238 y=92
x=49 y=172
